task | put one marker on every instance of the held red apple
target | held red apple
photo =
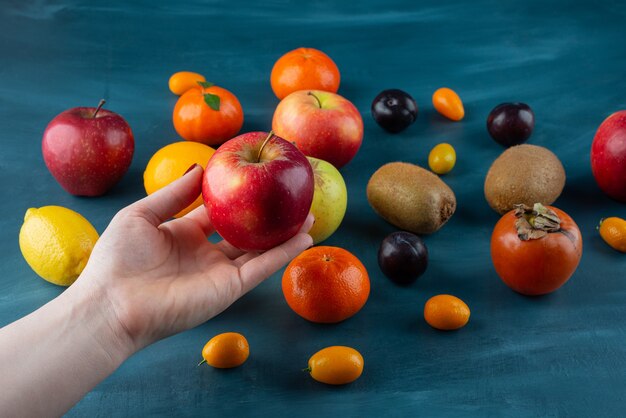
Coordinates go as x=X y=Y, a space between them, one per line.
x=323 y=125
x=257 y=190
x=608 y=156
x=88 y=150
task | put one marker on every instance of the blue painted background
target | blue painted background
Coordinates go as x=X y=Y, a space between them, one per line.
x=559 y=355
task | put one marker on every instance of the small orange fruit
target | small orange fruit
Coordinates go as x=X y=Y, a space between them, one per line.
x=442 y=158
x=304 y=69
x=326 y=284
x=226 y=350
x=336 y=365
x=613 y=232
x=446 y=312
x=170 y=163
x=209 y=114
x=182 y=81
x=448 y=103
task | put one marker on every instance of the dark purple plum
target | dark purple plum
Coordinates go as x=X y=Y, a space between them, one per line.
x=394 y=110
x=403 y=257
x=511 y=123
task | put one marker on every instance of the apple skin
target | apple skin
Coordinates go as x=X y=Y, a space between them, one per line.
x=330 y=199
x=322 y=124
x=608 y=156
x=254 y=205
x=87 y=156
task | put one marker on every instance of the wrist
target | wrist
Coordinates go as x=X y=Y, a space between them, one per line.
x=89 y=305
x=53 y=356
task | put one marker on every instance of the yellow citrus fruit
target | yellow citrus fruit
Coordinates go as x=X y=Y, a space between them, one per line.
x=448 y=103
x=170 y=163
x=613 y=232
x=336 y=365
x=446 y=312
x=182 y=81
x=56 y=243
x=442 y=158
x=226 y=350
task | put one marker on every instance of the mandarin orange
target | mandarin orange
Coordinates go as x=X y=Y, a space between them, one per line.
x=304 y=69
x=326 y=284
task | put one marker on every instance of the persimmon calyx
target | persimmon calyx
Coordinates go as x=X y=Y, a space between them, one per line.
x=535 y=222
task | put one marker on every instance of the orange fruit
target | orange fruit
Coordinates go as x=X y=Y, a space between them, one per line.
x=211 y=115
x=448 y=103
x=446 y=312
x=326 y=284
x=613 y=232
x=182 y=81
x=336 y=365
x=226 y=350
x=170 y=163
x=304 y=69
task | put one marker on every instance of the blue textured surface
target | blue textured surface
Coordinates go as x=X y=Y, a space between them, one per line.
x=559 y=355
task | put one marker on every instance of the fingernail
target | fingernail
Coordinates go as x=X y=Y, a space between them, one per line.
x=191 y=168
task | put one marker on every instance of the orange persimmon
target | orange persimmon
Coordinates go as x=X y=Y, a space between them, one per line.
x=535 y=251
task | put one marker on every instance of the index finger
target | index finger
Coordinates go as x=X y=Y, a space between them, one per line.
x=264 y=265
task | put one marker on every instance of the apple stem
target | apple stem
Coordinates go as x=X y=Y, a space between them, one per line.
x=102 y=102
x=258 y=157
x=316 y=98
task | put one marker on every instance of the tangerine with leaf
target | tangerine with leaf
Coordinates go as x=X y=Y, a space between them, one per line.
x=209 y=114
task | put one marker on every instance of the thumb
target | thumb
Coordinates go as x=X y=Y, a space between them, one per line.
x=171 y=199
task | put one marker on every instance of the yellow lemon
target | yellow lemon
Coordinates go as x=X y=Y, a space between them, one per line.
x=170 y=163
x=56 y=243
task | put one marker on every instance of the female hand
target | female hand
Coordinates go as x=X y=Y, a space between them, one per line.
x=146 y=279
x=161 y=277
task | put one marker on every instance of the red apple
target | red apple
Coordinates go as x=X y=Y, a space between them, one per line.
x=88 y=150
x=323 y=125
x=608 y=156
x=257 y=190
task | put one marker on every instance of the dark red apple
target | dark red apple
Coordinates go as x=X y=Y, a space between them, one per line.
x=257 y=190
x=608 y=156
x=323 y=125
x=88 y=150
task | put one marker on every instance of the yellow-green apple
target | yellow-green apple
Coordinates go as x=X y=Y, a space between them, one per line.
x=88 y=150
x=257 y=190
x=330 y=199
x=322 y=124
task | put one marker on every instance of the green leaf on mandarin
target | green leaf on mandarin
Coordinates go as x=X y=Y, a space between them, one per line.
x=212 y=100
